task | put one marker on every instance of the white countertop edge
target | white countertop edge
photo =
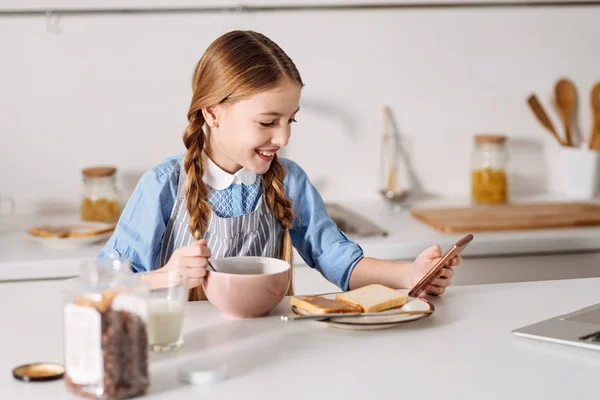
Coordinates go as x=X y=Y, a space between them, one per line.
x=48 y=269
x=25 y=259
x=499 y=246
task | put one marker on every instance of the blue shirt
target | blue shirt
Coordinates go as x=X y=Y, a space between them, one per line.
x=142 y=225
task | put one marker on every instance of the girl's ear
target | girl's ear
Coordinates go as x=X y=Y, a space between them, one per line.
x=211 y=116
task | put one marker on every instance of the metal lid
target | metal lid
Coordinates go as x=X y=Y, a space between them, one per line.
x=202 y=372
x=99 y=172
x=490 y=138
x=39 y=372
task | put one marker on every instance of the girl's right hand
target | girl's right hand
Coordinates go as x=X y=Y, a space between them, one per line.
x=190 y=260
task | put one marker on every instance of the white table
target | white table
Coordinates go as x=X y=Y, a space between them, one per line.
x=465 y=350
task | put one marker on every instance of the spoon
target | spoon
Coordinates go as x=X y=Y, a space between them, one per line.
x=566 y=100
x=211 y=267
x=542 y=116
x=595 y=104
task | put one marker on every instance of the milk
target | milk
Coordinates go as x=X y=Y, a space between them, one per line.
x=165 y=321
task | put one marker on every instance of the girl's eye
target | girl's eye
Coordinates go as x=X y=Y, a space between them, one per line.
x=273 y=123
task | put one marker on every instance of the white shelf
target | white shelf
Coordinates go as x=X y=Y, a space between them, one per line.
x=256 y=5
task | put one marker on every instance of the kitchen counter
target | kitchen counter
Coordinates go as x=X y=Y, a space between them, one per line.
x=22 y=258
x=408 y=236
x=465 y=350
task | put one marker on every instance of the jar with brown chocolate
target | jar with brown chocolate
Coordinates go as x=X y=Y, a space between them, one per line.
x=105 y=332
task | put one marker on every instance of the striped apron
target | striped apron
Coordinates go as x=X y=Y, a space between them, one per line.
x=254 y=234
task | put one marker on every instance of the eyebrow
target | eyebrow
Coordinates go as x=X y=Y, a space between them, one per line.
x=277 y=114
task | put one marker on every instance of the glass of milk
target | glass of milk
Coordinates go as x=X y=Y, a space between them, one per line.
x=168 y=295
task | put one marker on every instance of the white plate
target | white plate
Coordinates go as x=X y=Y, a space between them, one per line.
x=70 y=242
x=385 y=320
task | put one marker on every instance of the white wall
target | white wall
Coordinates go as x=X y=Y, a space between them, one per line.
x=115 y=89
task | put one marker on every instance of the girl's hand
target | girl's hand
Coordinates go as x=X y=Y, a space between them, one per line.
x=423 y=264
x=190 y=260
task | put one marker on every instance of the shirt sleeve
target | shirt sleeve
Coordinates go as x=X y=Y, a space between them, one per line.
x=314 y=234
x=141 y=227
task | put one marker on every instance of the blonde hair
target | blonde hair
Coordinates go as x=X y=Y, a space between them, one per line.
x=235 y=65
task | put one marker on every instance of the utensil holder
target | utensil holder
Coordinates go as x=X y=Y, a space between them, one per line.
x=579 y=168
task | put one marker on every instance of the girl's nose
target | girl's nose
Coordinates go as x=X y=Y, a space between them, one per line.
x=282 y=137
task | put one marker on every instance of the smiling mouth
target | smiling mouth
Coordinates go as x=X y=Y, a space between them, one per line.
x=266 y=155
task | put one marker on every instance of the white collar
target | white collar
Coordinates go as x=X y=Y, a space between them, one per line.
x=218 y=179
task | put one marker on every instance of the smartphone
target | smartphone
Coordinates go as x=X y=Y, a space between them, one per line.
x=450 y=254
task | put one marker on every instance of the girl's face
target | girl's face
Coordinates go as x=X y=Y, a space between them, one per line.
x=248 y=133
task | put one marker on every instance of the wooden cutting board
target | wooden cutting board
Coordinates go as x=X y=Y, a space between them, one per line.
x=509 y=217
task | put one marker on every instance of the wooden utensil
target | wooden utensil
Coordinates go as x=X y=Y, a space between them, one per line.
x=566 y=100
x=595 y=104
x=542 y=117
x=392 y=185
x=296 y=317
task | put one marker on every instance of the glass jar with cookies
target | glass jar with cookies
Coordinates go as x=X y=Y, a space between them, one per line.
x=101 y=201
x=489 y=180
x=105 y=332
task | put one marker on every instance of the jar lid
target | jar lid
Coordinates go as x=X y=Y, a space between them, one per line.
x=490 y=138
x=98 y=172
x=39 y=372
x=200 y=372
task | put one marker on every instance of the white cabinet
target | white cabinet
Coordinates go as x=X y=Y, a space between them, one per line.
x=144 y=4
x=485 y=270
x=527 y=268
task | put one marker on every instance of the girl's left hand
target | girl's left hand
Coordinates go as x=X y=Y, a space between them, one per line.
x=423 y=264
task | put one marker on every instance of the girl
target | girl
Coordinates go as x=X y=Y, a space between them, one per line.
x=230 y=194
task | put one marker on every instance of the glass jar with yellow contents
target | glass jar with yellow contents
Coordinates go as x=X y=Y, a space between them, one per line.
x=101 y=201
x=489 y=180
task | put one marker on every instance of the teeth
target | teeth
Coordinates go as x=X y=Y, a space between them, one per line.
x=266 y=153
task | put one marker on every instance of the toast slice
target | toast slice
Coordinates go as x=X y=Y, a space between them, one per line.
x=49 y=231
x=68 y=231
x=374 y=298
x=321 y=305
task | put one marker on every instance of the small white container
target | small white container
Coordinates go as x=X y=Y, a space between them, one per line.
x=579 y=167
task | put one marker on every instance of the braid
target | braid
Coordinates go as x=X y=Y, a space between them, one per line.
x=281 y=206
x=195 y=189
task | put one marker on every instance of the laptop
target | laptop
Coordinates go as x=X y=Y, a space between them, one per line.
x=580 y=328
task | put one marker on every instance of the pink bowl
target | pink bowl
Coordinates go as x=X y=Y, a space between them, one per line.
x=247 y=287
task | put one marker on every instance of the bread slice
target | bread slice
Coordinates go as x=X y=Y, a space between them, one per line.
x=374 y=298
x=321 y=305
x=68 y=231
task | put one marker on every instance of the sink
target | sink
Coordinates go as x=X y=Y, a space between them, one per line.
x=351 y=223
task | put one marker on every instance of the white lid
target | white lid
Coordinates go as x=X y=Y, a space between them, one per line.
x=200 y=372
